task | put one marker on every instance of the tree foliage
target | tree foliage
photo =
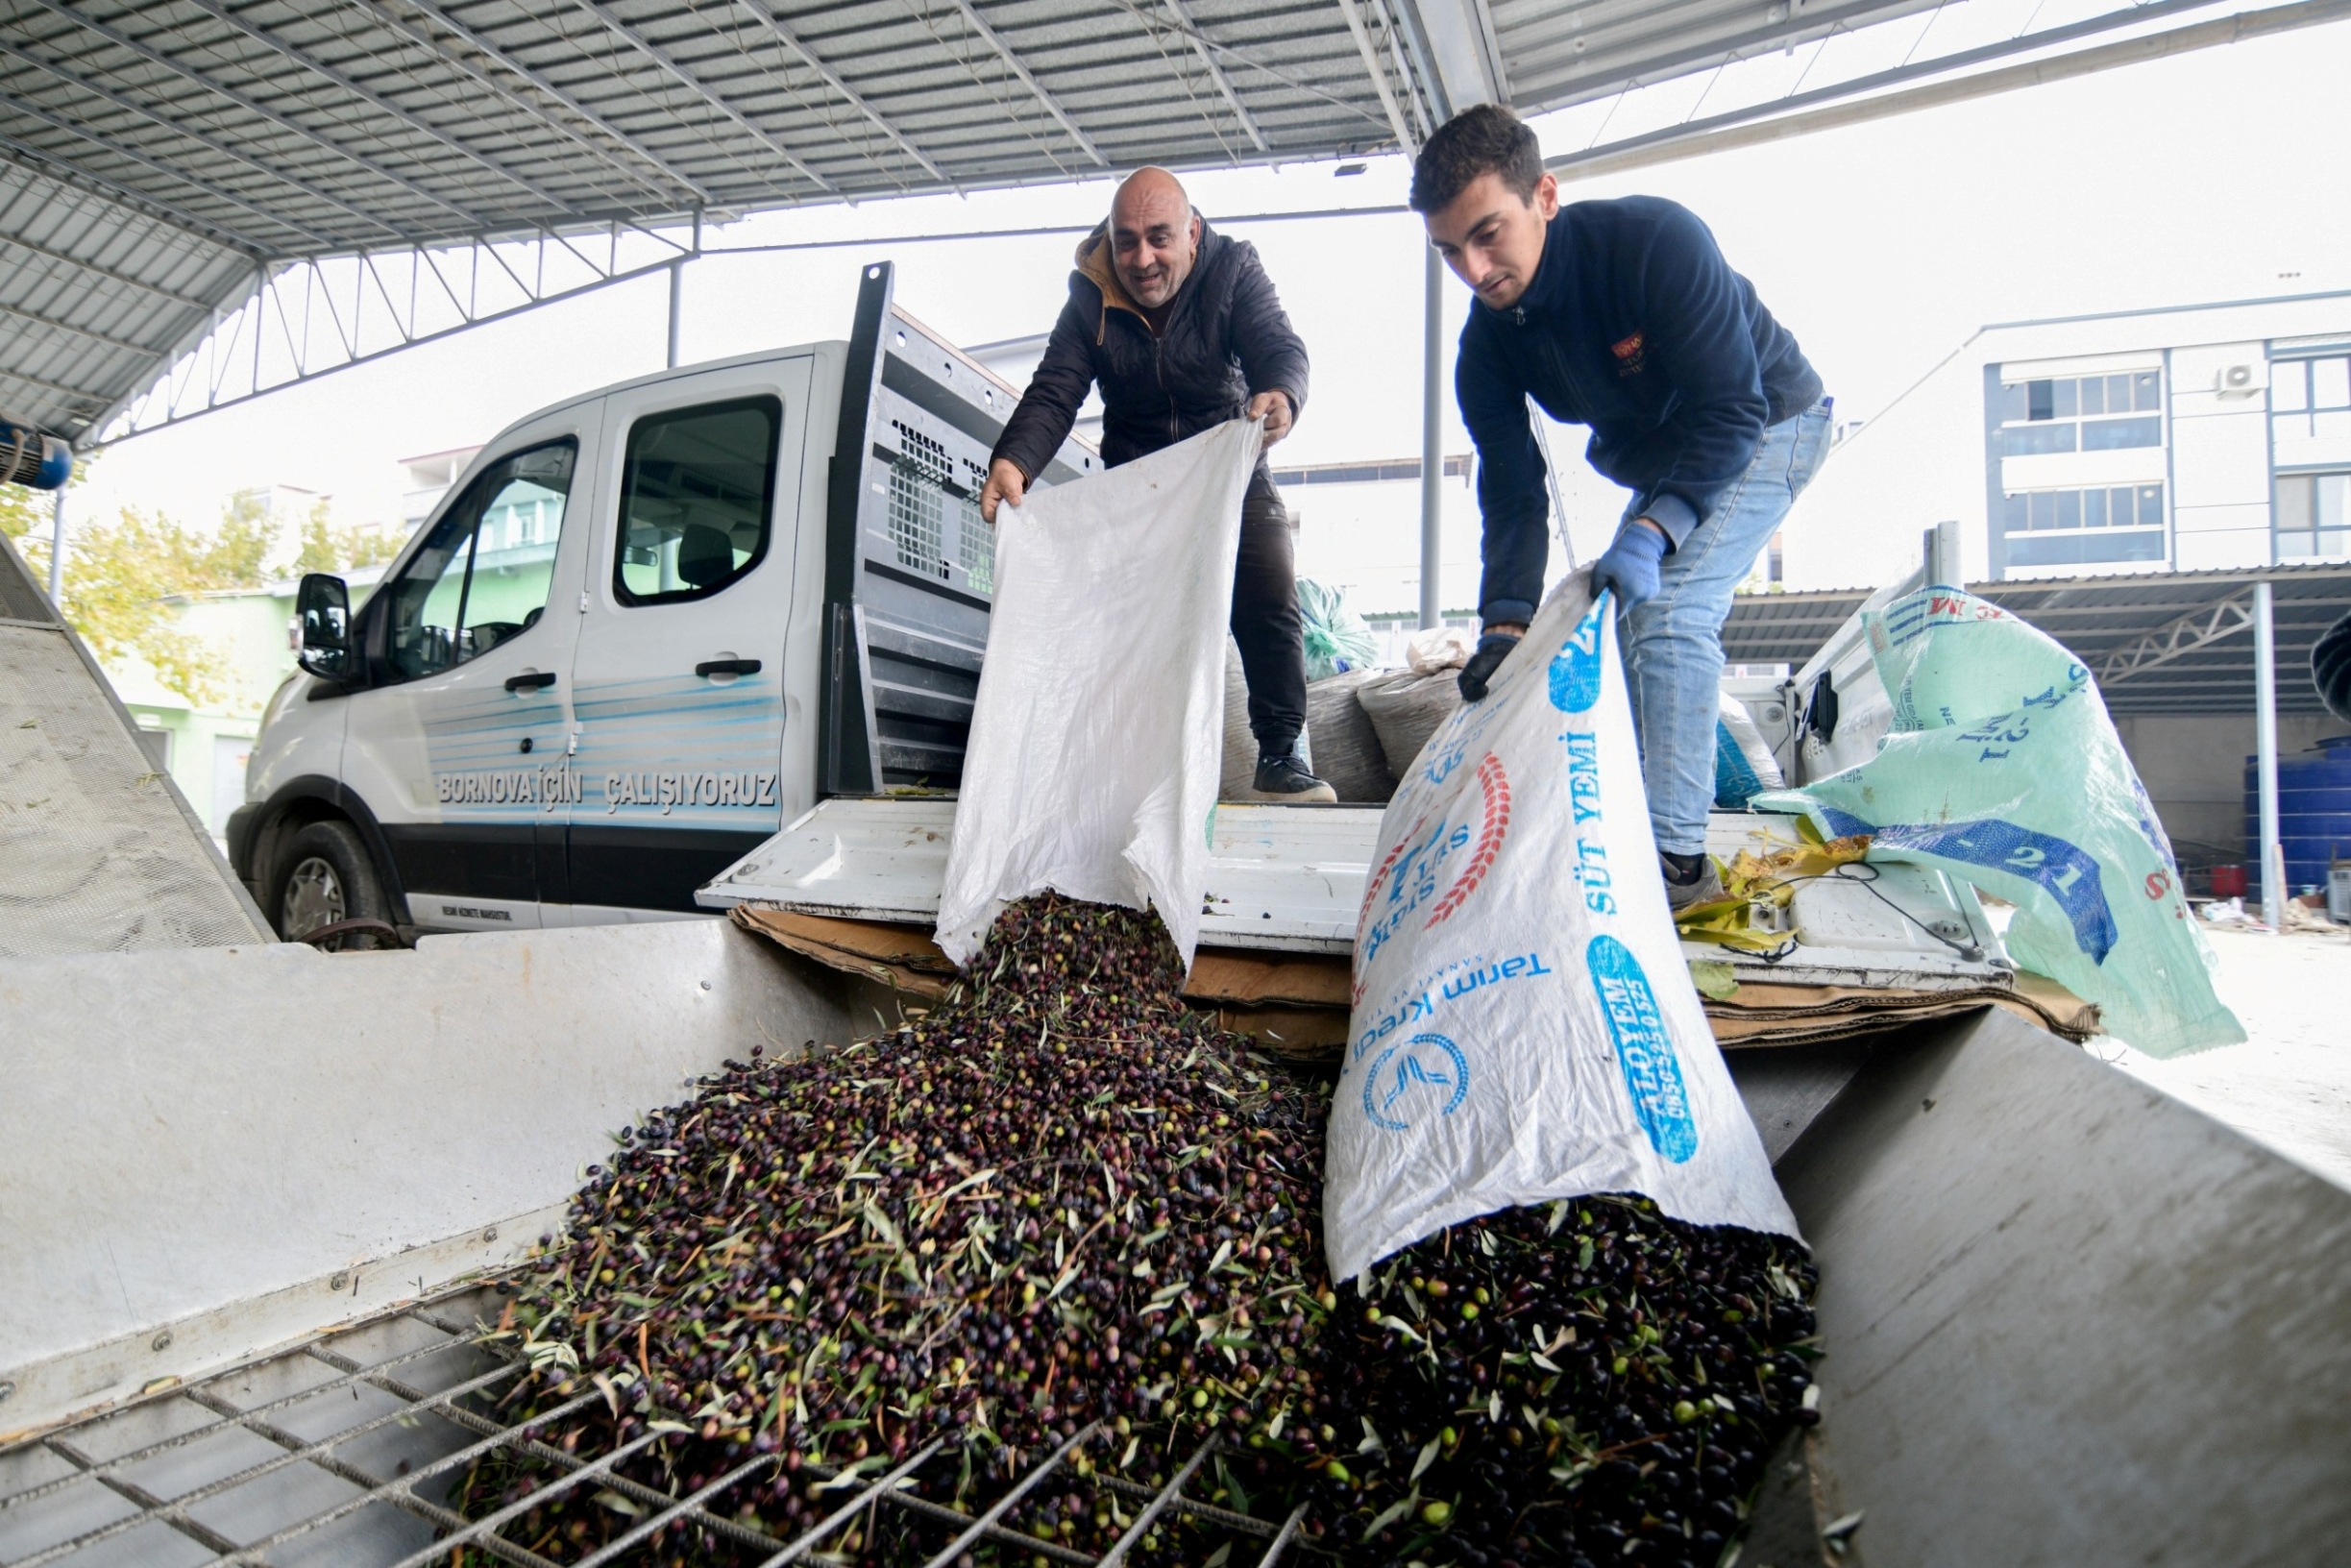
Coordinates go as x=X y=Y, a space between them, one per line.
x=122 y=576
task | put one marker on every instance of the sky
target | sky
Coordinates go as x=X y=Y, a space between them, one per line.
x=2213 y=174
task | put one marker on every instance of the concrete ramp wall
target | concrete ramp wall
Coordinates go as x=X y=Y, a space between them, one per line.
x=2069 y=1321
x=210 y=1151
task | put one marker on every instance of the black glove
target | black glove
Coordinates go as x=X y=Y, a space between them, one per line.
x=1492 y=648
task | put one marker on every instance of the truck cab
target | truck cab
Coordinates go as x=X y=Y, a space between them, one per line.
x=647 y=629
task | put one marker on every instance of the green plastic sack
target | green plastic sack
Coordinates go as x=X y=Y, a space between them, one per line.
x=2003 y=770
x=1336 y=639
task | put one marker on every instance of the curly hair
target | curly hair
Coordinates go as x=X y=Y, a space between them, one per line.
x=1486 y=139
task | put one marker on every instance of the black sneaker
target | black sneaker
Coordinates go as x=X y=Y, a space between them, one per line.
x=1285 y=781
x=1690 y=880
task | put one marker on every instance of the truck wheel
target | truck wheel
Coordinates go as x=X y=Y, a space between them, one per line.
x=326 y=876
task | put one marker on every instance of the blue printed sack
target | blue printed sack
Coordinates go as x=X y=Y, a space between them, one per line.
x=2003 y=768
x=1523 y=1025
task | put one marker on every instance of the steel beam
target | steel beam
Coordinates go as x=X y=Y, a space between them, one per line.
x=1244 y=58
x=792 y=40
x=108 y=272
x=252 y=105
x=195 y=222
x=20 y=313
x=161 y=400
x=225 y=149
x=677 y=308
x=287 y=49
x=1462 y=54
x=1432 y=438
x=677 y=70
x=57 y=553
x=2198 y=630
x=441 y=51
x=1012 y=61
x=123 y=149
x=1378 y=73
x=1224 y=84
x=1772 y=122
x=2265 y=754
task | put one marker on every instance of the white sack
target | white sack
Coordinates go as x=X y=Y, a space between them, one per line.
x=1744 y=766
x=1524 y=1027
x=1438 y=647
x=1092 y=768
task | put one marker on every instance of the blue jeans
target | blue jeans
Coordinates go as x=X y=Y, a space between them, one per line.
x=1674 y=644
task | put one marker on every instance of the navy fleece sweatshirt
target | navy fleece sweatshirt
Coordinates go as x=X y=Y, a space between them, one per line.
x=1635 y=326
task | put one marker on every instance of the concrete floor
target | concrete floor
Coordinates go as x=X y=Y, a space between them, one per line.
x=2290 y=1084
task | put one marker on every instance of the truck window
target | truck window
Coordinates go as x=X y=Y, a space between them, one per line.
x=697 y=489
x=480 y=579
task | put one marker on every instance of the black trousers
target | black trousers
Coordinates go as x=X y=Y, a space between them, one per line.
x=1265 y=619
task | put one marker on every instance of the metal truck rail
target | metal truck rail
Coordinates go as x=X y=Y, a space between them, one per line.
x=349 y=1447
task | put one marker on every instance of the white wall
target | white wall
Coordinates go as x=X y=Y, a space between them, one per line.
x=2220 y=455
x=1921 y=459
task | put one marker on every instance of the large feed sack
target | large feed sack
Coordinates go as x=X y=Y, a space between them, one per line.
x=1744 y=766
x=2003 y=768
x=1524 y=1026
x=1092 y=768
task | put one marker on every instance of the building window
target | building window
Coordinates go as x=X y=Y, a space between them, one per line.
x=2109 y=524
x=2314 y=517
x=2310 y=399
x=2079 y=413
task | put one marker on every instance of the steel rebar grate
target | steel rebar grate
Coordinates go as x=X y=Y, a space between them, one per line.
x=345 y=1450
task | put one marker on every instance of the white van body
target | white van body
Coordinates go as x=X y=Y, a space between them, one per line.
x=648 y=628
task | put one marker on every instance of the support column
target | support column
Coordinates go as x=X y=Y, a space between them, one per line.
x=2265 y=750
x=57 y=551
x=677 y=293
x=1431 y=439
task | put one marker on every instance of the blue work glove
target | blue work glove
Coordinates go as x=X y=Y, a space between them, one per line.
x=1629 y=566
x=1492 y=648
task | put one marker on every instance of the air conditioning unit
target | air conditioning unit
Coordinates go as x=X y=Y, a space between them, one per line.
x=2238 y=381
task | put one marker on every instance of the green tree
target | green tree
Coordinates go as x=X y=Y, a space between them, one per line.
x=326 y=546
x=122 y=576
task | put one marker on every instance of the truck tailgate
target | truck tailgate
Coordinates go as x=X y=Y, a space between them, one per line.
x=1292 y=878
x=1288 y=878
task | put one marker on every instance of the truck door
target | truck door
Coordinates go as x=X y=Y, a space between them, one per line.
x=457 y=743
x=678 y=679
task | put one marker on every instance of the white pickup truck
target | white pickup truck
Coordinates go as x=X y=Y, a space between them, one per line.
x=649 y=627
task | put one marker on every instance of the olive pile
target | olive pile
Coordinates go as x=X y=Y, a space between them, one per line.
x=1586 y=1383
x=1058 y=1198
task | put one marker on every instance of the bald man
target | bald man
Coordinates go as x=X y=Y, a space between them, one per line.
x=1181 y=330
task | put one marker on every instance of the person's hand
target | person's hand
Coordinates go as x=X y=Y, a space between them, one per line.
x=1492 y=648
x=1273 y=407
x=1005 y=482
x=1629 y=566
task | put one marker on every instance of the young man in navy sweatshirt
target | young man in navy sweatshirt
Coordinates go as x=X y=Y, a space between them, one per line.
x=1624 y=316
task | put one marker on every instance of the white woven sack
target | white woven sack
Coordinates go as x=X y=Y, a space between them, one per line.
x=1092 y=768
x=1524 y=1026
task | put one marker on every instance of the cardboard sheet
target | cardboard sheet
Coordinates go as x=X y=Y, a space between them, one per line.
x=1295 y=1004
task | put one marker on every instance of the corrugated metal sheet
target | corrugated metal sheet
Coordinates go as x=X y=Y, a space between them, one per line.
x=155 y=154
x=2099 y=617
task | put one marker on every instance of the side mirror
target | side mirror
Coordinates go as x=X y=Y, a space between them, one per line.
x=323 y=606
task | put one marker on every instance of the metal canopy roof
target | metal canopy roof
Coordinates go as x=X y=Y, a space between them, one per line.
x=2159 y=643
x=161 y=160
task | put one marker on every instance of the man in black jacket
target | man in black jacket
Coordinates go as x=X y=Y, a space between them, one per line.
x=1181 y=329
x=1624 y=316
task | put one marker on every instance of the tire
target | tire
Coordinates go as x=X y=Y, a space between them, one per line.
x=324 y=875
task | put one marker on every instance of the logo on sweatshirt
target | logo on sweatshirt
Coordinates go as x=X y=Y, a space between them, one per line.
x=1630 y=355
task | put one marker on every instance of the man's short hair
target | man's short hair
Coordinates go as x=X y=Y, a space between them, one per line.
x=1487 y=139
